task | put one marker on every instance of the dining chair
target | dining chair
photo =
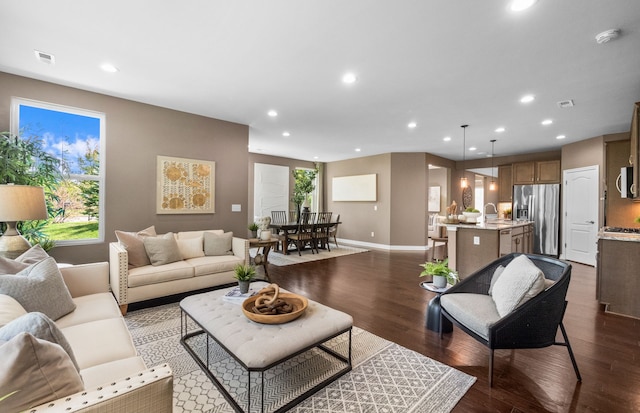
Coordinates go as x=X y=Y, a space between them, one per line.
x=321 y=229
x=304 y=233
x=333 y=231
x=280 y=218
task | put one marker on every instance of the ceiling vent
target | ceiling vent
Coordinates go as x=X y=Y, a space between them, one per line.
x=45 y=57
x=565 y=103
x=607 y=35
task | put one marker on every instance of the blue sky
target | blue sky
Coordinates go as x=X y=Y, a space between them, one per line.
x=62 y=134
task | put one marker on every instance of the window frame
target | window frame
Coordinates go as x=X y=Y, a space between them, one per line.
x=14 y=128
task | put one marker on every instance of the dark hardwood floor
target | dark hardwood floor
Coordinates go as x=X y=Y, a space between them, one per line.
x=380 y=290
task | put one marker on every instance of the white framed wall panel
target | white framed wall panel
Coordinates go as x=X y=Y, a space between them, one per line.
x=355 y=188
x=270 y=189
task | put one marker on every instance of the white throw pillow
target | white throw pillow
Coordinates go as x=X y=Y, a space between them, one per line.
x=494 y=278
x=10 y=309
x=191 y=247
x=520 y=281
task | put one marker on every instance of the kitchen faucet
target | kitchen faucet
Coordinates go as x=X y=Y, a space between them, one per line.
x=484 y=210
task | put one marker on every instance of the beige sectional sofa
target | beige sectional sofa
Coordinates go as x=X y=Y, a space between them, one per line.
x=205 y=259
x=113 y=377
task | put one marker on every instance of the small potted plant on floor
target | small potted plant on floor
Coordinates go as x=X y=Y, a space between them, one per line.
x=253 y=227
x=440 y=272
x=244 y=274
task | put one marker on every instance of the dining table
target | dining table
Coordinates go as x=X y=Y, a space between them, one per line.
x=291 y=227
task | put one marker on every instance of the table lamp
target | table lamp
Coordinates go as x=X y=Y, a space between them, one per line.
x=19 y=203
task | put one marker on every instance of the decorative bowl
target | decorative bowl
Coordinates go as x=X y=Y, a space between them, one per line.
x=471 y=216
x=298 y=302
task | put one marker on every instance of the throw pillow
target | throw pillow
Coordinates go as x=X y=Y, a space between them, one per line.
x=30 y=256
x=40 y=326
x=494 y=278
x=133 y=242
x=190 y=248
x=10 y=309
x=520 y=281
x=162 y=249
x=215 y=244
x=39 y=288
x=37 y=370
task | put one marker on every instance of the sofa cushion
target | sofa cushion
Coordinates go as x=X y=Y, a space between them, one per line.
x=31 y=256
x=90 y=308
x=39 y=371
x=191 y=247
x=162 y=249
x=109 y=372
x=39 y=288
x=10 y=309
x=213 y=265
x=152 y=275
x=133 y=243
x=197 y=234
x=99 y=342
x=520 y=281
x=477 y=312
x=215 y=244
x=40 y=326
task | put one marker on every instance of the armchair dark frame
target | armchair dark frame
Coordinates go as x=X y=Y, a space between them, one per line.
x=532 y=325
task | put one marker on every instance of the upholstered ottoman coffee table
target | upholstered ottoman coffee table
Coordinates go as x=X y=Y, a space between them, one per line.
x=222 y=340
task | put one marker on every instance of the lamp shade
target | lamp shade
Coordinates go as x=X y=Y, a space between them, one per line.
x=22 y=203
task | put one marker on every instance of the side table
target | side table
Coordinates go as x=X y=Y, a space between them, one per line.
x=262 y=258
x=432 y=317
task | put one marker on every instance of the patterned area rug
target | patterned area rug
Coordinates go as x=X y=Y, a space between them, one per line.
x=386 y=377
x=279 y=259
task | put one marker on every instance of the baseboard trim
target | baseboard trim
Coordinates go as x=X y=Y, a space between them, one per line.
x=385 y=247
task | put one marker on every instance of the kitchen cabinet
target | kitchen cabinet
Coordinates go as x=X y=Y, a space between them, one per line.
x=540 y=172
x=505 y=183
x=635 y=150
x=617 y=280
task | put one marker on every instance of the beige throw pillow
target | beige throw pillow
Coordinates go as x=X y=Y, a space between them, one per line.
x=10 y=309
x=162 y=249
x=520 y=281
x=37 y=370
x=39 y=287
x=215 y=244
x=30 y=256
x=133 y=243
x=191 y=247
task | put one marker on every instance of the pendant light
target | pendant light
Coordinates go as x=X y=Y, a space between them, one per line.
x=463 y=181
x=492 y=185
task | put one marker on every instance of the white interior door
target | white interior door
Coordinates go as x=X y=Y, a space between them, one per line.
x=581 y=202
x=270 y=189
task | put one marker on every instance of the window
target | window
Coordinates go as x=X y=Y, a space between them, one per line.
x=76 y=138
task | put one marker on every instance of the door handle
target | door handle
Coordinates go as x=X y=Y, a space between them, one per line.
x=590 y=222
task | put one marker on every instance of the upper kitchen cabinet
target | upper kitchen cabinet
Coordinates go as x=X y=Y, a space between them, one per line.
x=540 y=172
x=635 y=150
x=505 y=183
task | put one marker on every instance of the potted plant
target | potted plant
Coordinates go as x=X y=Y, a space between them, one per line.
x=253 y=227
x=244 y=274
x=440 y=272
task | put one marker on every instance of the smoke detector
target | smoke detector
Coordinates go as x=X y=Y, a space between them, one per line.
x=45 y=57
x=607 y=35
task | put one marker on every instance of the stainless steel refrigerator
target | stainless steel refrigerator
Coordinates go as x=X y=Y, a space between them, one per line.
x=540 y=204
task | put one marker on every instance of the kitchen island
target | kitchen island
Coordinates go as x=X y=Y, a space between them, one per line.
x=472 y=246
x=617 y=279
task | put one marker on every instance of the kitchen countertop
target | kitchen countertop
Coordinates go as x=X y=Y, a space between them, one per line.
x=494 y=225
x=619 y=236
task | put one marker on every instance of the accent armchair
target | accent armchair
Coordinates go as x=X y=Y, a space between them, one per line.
x=534 y=307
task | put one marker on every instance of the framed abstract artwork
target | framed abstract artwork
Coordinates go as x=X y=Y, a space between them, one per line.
x=434 y=199
x=185 y=186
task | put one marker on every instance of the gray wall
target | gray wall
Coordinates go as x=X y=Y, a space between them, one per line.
x=135 y=134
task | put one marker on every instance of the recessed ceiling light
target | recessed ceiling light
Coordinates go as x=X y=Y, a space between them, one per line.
x=527 y=99
x=108 y=67
x=315 y=157
x=500 y=129
x=412 y=125
x=473 y=148
x=446 y=138
x=286 y=134
x=272 y=113
x=560 y=137
x=547 y=122
x=519 y=5
x=349 y=78
x=358 y=149
x=607 y=35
